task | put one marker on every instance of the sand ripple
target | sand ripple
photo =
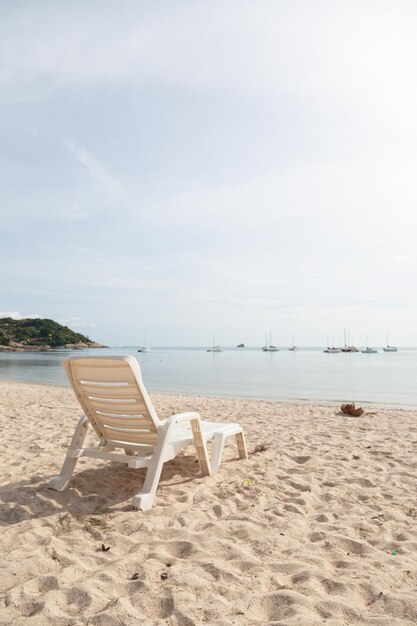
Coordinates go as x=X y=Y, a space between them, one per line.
x=318 y=526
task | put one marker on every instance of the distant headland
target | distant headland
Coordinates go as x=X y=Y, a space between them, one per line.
x=40 y=335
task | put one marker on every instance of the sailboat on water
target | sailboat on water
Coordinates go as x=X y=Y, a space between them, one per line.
x=293 y=347
x=268 y=347
x=368 y=350
x=214 y=347
x=348 y=347
x=389 y=348
x=144 y=348
x=331 y=349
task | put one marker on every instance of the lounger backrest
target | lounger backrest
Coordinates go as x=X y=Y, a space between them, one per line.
x=112 y=394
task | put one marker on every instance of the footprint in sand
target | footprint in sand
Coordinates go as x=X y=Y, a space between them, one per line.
x=159 y=606
x=293 y=509
x=363 y=482
x=180 y=549
x=332 y=587
x=301 y=459
x=299 y=486
x=282 y=605
x=341 y=564
x=217 y=510
x=78 y=599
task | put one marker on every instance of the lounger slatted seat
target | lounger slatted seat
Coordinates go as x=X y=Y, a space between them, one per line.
x=116 y=405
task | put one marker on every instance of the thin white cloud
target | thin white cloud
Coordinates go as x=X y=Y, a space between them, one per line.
x=77 y=322
x=95 y=169
x=16 y=315
x=406 y=259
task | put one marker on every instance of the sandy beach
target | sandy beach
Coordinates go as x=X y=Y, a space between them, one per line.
x=317 y=526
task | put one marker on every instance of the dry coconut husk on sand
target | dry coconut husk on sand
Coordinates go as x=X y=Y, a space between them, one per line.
x=349 y=409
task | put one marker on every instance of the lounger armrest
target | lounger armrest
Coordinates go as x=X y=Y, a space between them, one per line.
x=178 y=418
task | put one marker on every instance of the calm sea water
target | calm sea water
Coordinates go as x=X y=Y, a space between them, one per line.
x=384 y=378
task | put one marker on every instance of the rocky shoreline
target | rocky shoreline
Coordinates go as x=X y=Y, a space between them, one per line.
x=15 y=346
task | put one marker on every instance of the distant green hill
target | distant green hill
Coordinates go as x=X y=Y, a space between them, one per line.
x=38 y=334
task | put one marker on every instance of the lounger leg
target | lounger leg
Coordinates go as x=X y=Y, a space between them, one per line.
x=241 y=446
x=201 y=448
x=144 y=499
x=218 y=445
x=61 y=481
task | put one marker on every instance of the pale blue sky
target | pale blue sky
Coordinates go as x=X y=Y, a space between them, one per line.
x=170 y=169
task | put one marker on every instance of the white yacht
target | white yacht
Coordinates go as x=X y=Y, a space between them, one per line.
x=268 y=347
x=214 y=347
x=389 y=348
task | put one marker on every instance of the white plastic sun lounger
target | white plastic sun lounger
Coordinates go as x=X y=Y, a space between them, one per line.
x=117 y=406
